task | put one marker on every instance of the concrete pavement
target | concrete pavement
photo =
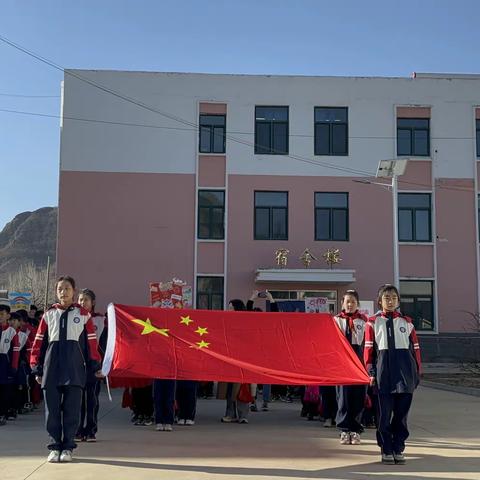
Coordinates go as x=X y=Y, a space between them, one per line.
x=279 y=444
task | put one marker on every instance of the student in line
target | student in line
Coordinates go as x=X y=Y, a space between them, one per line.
x=351 y=398
x=392 y=359
x=65 y=347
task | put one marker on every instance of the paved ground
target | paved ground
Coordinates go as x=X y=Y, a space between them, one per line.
x=444 y=444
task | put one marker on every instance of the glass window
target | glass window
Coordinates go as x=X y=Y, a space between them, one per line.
x=211 y=213
x=212 y=134
x=271 y=216
x=271 y=130
x=331 y=216
x=416 y=298
x=331 y=131
x=478 y=137
x=414 y=217
x=413 y=136
x=210 y=293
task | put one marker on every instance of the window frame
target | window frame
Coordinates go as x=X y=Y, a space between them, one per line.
x=416 y=297
x=271 y=123
x=331 y=211
x=330 y=133
x=209 y=293
x=211 y=223
x=413 y=217
x=212 y=133
x=412 y=130
x=270 y=216
x=477 y=136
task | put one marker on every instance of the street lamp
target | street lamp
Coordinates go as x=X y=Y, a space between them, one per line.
x=391 y=169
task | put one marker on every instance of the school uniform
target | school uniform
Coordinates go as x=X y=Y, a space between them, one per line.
x=392 y=356
x=64 y=351
x=351 y=398
x=90 y=395
x=23 y=371
x=9 y=357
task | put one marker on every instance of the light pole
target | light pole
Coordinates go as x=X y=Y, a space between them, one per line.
x=391 y=169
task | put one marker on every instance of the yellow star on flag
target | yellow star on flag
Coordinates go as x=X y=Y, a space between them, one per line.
x=201 y=331
x=186 y=320
x=149 y=328
x=202 y=344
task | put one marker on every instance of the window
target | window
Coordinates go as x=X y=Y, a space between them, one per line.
x=413 y=137
x=212 y=134
x=331 y=216
x=271 y=130
x=331 y=131
x=271 y=216
x=210 y=293
x=211 y=211
x=414 y=212
x=416 y=298
x=478 y=137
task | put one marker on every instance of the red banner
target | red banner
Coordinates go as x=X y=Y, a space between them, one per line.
x=244 y=347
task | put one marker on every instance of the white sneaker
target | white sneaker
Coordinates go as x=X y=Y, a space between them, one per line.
x=168 y=427
x=181 y=422
x=53 y=456
x=160 y=427
x=345 y=438
x=66 y=456
x=189 y=422
x=328 y=423
x=355 y=438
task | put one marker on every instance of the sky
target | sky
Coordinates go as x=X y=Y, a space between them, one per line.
x=299 y=37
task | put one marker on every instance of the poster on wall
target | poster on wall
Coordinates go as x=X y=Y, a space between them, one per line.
x=173 y=294
x=19 y=300
x=316 y=305
x=366 y=307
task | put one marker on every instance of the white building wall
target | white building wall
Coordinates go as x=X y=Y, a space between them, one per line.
x=371 y=102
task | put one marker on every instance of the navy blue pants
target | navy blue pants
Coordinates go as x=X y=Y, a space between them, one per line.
x=351 y=401
x=89 y=409
x=62 y=415
x=329 y=402
x=163 y=401
x=186 y=399
x=392 y=430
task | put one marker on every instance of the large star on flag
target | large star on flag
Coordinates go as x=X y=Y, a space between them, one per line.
x=149 y=328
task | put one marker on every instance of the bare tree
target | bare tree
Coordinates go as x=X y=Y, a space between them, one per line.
x=472 y=365
x=29 y=278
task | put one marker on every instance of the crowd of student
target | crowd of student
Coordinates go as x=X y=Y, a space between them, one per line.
x=60 y=351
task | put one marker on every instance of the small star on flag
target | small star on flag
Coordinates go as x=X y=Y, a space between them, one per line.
x=186 y=320
x=202 y=344
x=201 y=331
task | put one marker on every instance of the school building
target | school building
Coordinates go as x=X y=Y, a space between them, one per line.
x=204 y=177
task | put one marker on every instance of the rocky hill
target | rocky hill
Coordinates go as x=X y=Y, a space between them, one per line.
x=29 y=237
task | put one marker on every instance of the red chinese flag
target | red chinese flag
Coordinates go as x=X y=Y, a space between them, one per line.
x=244 y=347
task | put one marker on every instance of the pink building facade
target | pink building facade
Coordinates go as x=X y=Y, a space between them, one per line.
x=204 y=177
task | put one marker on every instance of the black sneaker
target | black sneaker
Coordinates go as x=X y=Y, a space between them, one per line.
x=399 y=458
x=140 y=420
x=3 y=421
x=79 y=437
x=91 y=438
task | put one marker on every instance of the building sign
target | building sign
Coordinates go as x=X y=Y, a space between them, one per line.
x=316 y=305
x=19 y=300
x=174 y=294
